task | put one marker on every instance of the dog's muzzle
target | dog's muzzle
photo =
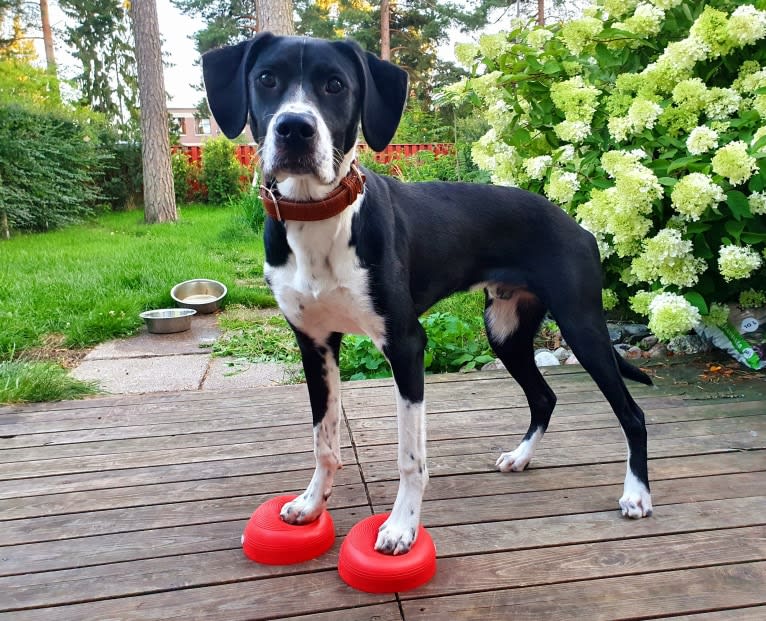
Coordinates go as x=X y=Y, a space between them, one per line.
x=295 y=141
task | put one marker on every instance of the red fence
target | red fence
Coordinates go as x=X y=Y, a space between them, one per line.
x=247 y=156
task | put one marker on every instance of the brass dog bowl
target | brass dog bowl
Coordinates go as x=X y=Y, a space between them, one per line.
x=201 y=294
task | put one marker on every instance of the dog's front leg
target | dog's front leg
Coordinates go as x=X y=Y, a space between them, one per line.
x=398 y=532
x=320 y=363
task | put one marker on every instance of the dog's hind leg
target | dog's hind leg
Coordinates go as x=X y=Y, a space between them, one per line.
x=320 y=363
x=512 y=319
x=586 y=333
x=399 y=531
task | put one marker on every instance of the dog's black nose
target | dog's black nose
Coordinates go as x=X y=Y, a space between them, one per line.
x=291 y=125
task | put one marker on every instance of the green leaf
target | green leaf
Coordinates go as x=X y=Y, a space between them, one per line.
x=682 y=162
x=734 y=228
x=753 y=238
x=696 y=300
x=668 y=181
x=738 y=204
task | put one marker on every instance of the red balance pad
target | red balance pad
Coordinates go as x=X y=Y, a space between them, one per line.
x=363 y=568
x=269 y=540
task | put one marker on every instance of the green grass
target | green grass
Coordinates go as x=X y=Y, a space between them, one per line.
x=88 y=283
x=26 y=382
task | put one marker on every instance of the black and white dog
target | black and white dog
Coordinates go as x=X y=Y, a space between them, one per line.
x=393 y=249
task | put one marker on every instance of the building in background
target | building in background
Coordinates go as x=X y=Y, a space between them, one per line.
x=195 y=131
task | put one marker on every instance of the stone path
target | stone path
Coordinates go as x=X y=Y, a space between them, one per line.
x=172 y=362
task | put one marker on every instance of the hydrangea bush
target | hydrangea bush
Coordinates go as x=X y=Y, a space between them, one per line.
x=646 y=121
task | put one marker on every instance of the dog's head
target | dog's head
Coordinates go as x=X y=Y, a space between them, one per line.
x=305 y=98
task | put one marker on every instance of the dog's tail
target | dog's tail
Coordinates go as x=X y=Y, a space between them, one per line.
x=630 y=372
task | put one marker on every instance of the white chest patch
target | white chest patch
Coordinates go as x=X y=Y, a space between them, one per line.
x=322 y=288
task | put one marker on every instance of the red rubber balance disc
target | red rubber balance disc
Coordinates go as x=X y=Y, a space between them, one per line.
x=269 y=540
x=363 y=568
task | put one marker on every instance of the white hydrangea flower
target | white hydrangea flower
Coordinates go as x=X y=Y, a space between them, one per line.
x=666 y=4
x=643 y=114
x=701 y=140
x=536 y=167
x=562 y=186
x=493 y=45
x=645 y=21
x=722 y=103
x=572 y=131
x=746 y=25
x=669 y=258
x=466 y=53
x=566 y=153
x=734 y=162
x=757 y=203
x=619 y=128
x=538 y=37
x=694 y=194
x=577 y=33
x=671 y=315
x=735 y=262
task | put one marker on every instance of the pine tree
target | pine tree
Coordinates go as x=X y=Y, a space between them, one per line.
x=99 y=35
x=159 y=197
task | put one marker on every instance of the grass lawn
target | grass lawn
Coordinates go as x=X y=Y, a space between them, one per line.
x=87 y=283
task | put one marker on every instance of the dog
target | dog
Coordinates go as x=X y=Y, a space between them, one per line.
x=348 y=251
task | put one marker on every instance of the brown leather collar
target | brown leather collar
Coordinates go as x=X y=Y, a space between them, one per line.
x=351 y=186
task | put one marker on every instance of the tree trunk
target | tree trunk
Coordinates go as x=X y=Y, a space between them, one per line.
x=50 y=59
x=275 y=16
x=541 y=12
x=5 y=231
x=385 y=30
x=159 y=198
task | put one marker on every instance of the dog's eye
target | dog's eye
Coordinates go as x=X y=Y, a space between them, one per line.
x=267 y=79
x=334 y=86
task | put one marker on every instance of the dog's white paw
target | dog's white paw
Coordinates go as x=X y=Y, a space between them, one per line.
x=396 y=537
x=636 y=501
x=517 y=459
x=304 y=509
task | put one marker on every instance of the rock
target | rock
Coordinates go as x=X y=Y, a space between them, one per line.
x=648 y=342
x=572 y=360
x=622 y=349
x=633 y=353
x=658 y=351
x=689 y=344
x=634 y=332
x=615 y=332
x=562 y=354
x=495 y=365
x=546 y=359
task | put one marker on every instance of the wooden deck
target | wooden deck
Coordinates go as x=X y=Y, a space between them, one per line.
x=132 y=508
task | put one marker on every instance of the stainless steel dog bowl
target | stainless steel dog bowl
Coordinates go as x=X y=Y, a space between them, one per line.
x=201 y=294
x=168 y=320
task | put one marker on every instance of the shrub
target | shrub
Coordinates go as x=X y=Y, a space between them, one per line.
x=453 y=344
x=123 y=180
x=183 y=173
x=50 y=162
x=221 y=171
x=645 y=121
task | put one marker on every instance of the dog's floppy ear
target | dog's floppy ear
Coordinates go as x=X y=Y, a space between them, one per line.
x=384 y=94
x=225 y=73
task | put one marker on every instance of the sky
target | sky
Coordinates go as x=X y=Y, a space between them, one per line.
x=177 y=48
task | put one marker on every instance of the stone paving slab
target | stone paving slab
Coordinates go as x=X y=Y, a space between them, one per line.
x=204 y=331
x=230 y=373
x=148 y=374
